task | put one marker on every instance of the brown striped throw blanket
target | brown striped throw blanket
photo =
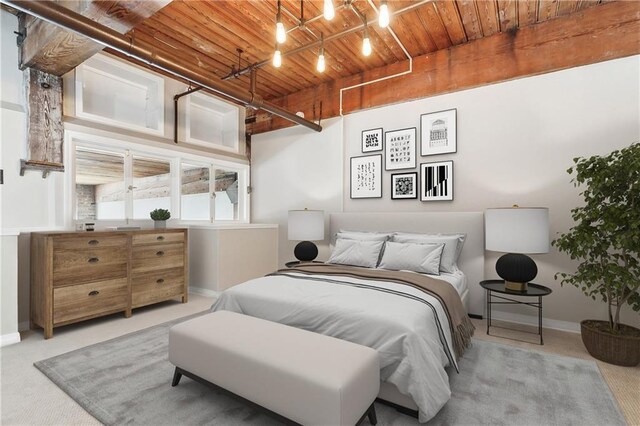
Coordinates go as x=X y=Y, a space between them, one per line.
x=461 y=326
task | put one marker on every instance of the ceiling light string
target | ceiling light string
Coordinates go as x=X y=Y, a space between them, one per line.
x=329 y=10
x=281 y=34
x=366 y=42
x=321 y=63
x=383 y=14
x=277 y=56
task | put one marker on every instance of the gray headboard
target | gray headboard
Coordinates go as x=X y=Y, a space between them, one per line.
x=471 y=260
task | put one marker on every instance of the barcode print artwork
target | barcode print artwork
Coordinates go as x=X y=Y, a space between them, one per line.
x=437 y=181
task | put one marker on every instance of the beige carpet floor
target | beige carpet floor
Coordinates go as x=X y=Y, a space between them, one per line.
x=27 y=397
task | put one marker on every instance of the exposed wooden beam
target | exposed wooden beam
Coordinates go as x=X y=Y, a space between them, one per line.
x=54 y=50
x=592 y=35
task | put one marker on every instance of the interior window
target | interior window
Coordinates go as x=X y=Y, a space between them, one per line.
x=195 y=199
x=226 y=190
x=150 y=185
x=100 y=190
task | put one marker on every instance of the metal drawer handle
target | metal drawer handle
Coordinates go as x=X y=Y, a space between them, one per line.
x=93 y=260
x=94 y=242
x=160 y=281
x=160 y=253
x=94 y=293
x=160 y=238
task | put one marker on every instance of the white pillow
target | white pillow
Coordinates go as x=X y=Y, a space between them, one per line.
x=423 y=258
x=356 y=252
x=364 y=236
x=452 y=246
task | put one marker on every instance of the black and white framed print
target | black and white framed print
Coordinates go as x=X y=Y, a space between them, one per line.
x=404 y=186
x=438 y=132
x=366 y=176
x=372 y=140
x=436 y=181
x=400 y=149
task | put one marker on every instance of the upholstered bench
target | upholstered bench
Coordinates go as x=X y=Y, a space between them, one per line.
x=305 y=377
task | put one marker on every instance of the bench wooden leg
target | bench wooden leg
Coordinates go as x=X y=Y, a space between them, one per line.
x=177 y=375
x=373 y=419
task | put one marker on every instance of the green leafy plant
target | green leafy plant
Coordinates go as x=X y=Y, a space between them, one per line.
x=160 y=214
x=606 y=236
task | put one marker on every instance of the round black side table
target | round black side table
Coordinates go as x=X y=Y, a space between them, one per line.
x=297 y=262
x=533 y=290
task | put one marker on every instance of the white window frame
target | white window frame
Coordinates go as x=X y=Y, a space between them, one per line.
x=155 y=80
x=73 y=139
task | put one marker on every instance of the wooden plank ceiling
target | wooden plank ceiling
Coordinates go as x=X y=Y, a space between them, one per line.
x=207 y=34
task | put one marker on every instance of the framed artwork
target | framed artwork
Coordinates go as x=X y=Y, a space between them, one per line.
x=400 y=149
x=366 y=176
x=436 y=181
x=404 y=186
x=372 y=140
x=438 y=132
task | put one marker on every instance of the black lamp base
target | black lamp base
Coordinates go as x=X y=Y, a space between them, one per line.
x=305 y=251
x=516 y=270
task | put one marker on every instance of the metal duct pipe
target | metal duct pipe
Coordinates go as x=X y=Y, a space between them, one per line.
x=54 y=13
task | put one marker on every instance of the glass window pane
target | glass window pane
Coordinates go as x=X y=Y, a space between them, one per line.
x=194 y=188
x=100 y=188
x=226 y=207
x=151 y=186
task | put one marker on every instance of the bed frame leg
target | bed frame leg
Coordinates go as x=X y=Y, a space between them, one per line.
x=373 y=419
x=177 y=375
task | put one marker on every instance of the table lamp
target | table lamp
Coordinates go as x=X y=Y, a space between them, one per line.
x=306 y=226
x=517 y=231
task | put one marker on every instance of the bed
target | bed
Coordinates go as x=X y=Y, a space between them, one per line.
x=409 y=328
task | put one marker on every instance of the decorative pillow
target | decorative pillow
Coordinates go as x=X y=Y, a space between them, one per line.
x=423 y=258
x=452 y=246
x=356 y=252
x=363 y=236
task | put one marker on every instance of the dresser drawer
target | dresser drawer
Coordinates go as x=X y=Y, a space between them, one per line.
x=157 y=286
x=158 y=238
x=154 y=257
x=90 y=264
x=90 y=242
x=89 y=300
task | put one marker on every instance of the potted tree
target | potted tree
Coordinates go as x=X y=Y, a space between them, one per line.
x=160 y=217
x=606 y=240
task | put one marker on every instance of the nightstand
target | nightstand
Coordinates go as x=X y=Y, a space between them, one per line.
x=533 y=290
x=297 y=262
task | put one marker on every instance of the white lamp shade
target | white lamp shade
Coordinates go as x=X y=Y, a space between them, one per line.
x=306 y=225
x=517 y=230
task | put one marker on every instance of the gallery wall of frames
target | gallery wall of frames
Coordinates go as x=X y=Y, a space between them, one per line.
x=425 y=175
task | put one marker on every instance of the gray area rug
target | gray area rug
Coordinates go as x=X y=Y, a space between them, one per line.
x=127 y=380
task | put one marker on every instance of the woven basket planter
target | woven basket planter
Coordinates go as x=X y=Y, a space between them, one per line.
x=613 y=349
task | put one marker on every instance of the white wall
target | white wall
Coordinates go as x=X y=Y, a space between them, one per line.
x=27 y=202
x=515 y=141
x=293 y=169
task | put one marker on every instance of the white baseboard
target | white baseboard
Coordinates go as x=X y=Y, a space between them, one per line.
x=204 y=292
x=572 y=327
x=9 y=339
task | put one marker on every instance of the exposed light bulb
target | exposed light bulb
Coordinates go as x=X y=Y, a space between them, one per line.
x=366 y=45
x=329 y=10
x=321 y=64
x=281 y=34
x=277 y=58
x=383 y=16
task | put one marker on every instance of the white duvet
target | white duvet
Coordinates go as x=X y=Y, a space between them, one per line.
x=404 y=331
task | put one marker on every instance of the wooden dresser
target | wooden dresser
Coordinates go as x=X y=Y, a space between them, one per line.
x=76 y=276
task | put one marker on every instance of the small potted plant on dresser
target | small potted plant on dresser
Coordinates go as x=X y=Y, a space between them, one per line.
x=606 y=240
x=160 y=217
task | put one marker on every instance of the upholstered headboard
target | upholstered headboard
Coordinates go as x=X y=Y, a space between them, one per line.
x=471 y=260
